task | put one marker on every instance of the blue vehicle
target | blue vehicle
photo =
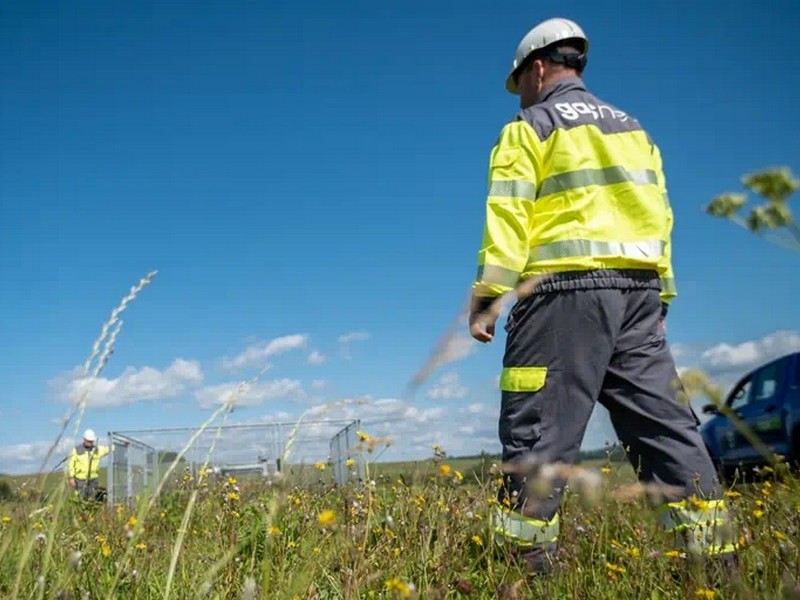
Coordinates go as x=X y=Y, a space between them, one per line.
x=767 y=400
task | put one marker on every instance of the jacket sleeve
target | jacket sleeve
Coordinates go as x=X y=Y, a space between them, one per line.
x=71 y=463
x=665 y=271
x=512 y=182
x=102 y=451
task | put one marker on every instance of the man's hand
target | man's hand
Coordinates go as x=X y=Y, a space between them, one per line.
x=482 y=318
x=481 y=327
x=71 y=482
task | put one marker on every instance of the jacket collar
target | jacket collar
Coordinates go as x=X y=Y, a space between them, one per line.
x=562 y=86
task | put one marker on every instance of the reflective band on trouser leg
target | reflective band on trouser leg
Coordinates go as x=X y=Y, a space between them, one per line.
x=700 y=526
x=586 y=177
x=521 y=530
x=569 y=248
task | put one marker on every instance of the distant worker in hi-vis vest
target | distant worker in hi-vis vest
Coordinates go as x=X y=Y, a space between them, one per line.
x=84 y=465
x=578 y=225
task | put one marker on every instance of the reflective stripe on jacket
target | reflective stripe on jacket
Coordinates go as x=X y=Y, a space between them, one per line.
x=85 y=464
x=574 y=185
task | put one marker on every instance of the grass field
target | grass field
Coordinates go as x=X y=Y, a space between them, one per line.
x=414 y=530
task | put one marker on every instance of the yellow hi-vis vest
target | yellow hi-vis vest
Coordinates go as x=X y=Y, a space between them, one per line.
x=574 y=185
x=85 y=464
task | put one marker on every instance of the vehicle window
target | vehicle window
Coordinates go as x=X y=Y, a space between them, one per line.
x=741 y=395
x=766 y=382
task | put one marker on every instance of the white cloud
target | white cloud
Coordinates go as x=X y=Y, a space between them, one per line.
x=256 y=355
x=316 y=358
x=134 y=385
x=253 y=395
x=27 y=457
x=448 y=387
x=475 y=408
x=679 y=351
x=354 y=336
x=318 y=384
x=749 y=355
x=346 y=339
x=423 y=415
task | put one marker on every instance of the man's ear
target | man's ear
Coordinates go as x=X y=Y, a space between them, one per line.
x=537 y=70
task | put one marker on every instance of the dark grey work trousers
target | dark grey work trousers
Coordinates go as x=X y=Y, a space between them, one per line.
x=605 y=345
x=87 y=489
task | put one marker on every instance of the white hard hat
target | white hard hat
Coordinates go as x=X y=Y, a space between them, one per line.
x=89 y=435
x=544 y=34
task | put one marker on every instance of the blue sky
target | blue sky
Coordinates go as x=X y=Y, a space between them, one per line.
x=314 y=173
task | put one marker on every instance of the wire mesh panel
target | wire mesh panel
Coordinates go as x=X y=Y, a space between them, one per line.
x=133 y=468
x=301 y=452
x=346 y=455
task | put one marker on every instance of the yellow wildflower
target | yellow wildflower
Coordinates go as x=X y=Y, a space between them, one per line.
x=732 y=494
x=757 y=513
x=672 y=553
x=233 y=496
x=705 y=593
x=445 y=469
x=350 y=462
x=364 y=437
x=141 y=546
x=273 y=531
x=458 y=476
x=605 y=470
x=6 y=519
x=779 y=536
x=326 y=517
x=400 y=587
x=231 y=480
x=320 y=466
x=697 y=503
x=477 y=539
x=615 y=568
x=105 y=549
x=632 y=552
x=132 y=522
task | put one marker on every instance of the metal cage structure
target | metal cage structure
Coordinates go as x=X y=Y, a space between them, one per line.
x=305 y=453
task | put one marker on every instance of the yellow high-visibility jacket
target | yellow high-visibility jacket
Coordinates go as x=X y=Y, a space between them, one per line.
x=574 y=185
x=85 y=464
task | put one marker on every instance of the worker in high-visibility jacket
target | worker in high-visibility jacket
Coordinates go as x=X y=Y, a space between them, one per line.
x=577 y=228
x=84 y=465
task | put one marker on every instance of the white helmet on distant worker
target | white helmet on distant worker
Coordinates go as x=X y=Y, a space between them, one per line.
x=89 y=435
x=543 y=35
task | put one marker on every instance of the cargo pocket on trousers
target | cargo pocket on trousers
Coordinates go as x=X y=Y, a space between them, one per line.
x=521 y=408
